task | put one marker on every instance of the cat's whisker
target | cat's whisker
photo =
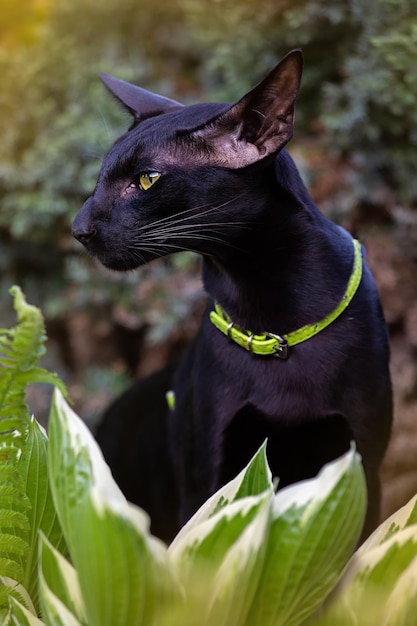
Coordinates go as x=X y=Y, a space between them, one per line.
x=184 y=230
x=188 y=214
x=167 y=218
x=136 y=255
x=165 y=249
x=198 y=232
x=174 y=227
x=160 y=250
x=201 y=237
x=184 y=235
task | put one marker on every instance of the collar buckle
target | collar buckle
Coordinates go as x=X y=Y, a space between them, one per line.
x=281 y=350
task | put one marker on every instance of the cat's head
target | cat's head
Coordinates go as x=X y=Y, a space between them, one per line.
x=177 y=179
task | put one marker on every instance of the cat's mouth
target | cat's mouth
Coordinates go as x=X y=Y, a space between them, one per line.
x=114 y=255
x=123 y=262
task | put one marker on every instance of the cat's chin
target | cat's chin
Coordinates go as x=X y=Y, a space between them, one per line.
x=120 y=265
x=125 y=263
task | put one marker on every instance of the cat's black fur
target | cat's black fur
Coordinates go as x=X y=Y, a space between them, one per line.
x=229 y=191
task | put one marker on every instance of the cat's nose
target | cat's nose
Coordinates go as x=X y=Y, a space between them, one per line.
x=84 y=236
x=82 y=226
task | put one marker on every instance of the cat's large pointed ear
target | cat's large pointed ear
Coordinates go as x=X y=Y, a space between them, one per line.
x=261 y=123
x=139 y=102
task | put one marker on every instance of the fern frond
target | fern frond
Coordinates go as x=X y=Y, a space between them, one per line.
x=13 y=545
x=21 y=509
x=13 y=496
x=20 y=349
x=10 y=569
x=13 y=519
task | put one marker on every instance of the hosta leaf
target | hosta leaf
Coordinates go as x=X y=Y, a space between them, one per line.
x=254 y=479
x=404 y=517
x=20 y=616
x=124 y=573
x=315 y=526
x=42 y=515
x=237 y=578
x=402 y=603
x=379 y=586
x=213 y=552
x=54 y=611
x=10 y=588
x=61 y=579
x=209 y=541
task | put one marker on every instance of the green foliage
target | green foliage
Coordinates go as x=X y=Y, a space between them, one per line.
x=380 y=582
x=248 y=556
x=21 y=348
x=373 y=110
x=240 y=43
x=57 y=120
x=56 y=123
x=53 y=137
x=25 y=498
x=359 y=79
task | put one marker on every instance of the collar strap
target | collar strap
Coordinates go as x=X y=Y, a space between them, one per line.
x=271 y=344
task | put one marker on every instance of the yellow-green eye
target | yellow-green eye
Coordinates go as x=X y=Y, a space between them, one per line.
x=147 y=179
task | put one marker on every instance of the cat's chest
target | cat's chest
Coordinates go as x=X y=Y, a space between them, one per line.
x=228 y=377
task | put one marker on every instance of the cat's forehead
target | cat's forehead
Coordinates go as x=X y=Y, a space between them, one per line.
x=162 y=138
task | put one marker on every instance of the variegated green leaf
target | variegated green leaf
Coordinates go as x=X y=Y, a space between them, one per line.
x=124 y=573
x=61 y=579
x=237 y=578
x=379 y=586
x=20 y=616
x=404 y=517
x=402 y=603
x=42 y=515
x=254 y=479
x=11 y=589
x=315 y=527
x=54 y=611
x=17 y=591
x=212 y=550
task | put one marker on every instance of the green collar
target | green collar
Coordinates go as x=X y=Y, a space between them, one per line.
x=267 y=344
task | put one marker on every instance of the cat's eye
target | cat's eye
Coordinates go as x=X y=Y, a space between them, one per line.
x=147 y=179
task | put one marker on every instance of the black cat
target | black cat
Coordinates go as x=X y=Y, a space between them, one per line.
x=293 y=346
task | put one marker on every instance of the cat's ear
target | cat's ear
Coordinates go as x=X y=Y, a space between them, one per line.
x=261 y=122
x=139 y=102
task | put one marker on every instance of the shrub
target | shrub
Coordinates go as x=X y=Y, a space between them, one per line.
x=372 y=111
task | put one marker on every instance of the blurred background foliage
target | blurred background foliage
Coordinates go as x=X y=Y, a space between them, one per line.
x=358 y=102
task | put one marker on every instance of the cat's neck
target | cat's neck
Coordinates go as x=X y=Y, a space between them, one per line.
x=293 y=266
